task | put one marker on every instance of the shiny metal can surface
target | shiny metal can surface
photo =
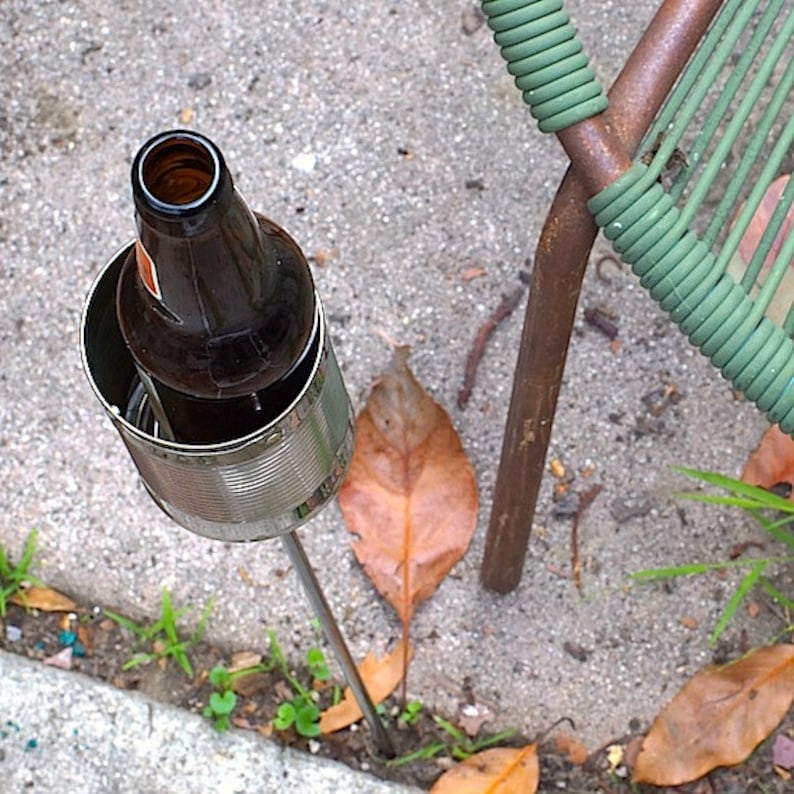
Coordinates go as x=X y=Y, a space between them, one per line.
x=250 y=488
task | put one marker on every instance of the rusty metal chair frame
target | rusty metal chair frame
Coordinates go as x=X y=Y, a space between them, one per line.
x=600 y=149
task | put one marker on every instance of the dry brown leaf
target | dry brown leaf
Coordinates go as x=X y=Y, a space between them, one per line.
x=252 y=683
x=43 y=598
x=772 y=462
x=781 y=300
x=410 y=496
x=718 y=717
x=500 y=770
x=380 y=676
x=85 y=635
x=760 y=221
x=571 y=747
x=242 y=660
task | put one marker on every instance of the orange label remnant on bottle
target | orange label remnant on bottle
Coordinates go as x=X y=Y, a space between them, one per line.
x=147 y=271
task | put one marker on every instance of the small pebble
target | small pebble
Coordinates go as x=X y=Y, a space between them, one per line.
x=304 y=162
x=199 y=80
x=13 y=633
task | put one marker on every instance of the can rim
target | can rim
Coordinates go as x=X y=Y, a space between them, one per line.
x=110 y=270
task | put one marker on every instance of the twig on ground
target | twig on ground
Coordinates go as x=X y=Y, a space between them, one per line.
x=585 y=500
x=501 y=313
x=598 y=319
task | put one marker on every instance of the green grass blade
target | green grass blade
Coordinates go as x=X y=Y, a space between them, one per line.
x=5 y=566
x=775 y=529
x=27 y=554
x=736 y=599
x=656 y=574
x=762 y=496
x=785 y=602
x=741 y=502
x=139 y=658
x=422 y=754
x=497 y=738
x=184 y=662
x=126 y=623
x=459 y=736
x=169 y=617
x=202 y=624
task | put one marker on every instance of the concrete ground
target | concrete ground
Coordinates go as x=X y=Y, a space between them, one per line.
x=357 y=126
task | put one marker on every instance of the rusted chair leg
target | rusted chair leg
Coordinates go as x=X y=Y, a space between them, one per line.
x=560 y=261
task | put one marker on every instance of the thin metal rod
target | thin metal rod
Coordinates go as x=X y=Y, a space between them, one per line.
x=312 y=587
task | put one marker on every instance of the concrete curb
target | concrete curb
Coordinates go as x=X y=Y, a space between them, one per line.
x=63 y=731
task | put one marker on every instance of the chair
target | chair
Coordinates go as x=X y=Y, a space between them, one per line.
x=652 y=174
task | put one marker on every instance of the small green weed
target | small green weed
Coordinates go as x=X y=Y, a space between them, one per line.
x=411 y=713
x=758 y=502
x=14 y=577
x=300 y=712
x=163 y=635
x=459 y=746
x=224 y=699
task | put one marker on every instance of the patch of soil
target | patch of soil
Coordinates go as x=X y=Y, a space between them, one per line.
x=91 y=643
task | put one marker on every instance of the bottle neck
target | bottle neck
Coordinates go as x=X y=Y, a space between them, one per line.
x=190 y=219
x=216 y=302
x=179 y=182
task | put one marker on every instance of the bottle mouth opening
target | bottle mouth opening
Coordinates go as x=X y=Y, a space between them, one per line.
x=178 y=172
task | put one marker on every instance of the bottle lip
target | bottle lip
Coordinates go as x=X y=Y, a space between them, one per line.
x=204 y=147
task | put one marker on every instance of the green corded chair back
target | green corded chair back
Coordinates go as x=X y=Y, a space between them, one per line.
x=680 y=210
x=725 y=132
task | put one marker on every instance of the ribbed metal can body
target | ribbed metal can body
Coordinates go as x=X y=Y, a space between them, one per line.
x=258 y=486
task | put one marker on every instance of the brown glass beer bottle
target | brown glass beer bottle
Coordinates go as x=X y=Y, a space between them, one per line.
x=215 y=303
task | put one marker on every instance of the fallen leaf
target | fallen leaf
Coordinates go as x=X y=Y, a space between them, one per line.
x=43 y=598
x=500 y=770
x=85 y=635
x=772 y=462
x=718 y=717
x=784 y=293
x=780 y=772
x=760 y=221
x=380 y=677
x=410 y=497
x=242 y=660
x=283 y=691
x=251 y=684
x=571 y=747
x=632 y=750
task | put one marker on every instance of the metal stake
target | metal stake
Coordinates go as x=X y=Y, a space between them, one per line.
x=301 y=562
